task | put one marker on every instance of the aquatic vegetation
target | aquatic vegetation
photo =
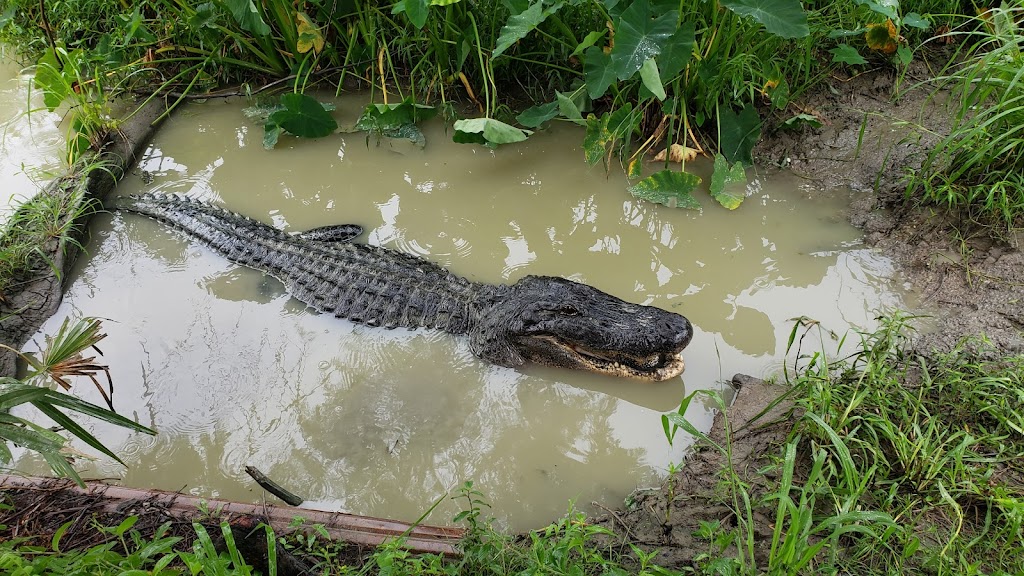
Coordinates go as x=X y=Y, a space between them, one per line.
x=641 y=75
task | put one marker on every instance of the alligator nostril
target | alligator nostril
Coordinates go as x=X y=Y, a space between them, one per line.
x=682 y=332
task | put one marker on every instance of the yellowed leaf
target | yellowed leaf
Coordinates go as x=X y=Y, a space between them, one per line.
x=310 y=37
x=676 y=153
x=882 y=37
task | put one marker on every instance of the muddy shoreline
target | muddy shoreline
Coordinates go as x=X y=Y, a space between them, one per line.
x=969 y=282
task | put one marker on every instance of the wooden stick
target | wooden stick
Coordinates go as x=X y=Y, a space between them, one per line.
x=273 y=487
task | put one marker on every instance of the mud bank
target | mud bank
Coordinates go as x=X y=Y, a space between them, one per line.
x=877 y=127
x=665 y=519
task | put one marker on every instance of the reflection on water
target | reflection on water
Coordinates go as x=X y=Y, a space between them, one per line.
x=234 y=372
x=31 y=144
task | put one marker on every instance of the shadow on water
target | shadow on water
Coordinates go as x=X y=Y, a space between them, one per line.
x=234 y=372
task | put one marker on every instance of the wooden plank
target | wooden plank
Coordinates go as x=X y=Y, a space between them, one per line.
x=363 y=530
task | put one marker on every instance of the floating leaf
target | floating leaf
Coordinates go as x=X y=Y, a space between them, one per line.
x=669 y=187
x=739 y=133
x=380 y=117
x=487 y=131
x=639 y=37
x=652 y=79
x=882 y=37
x=677 y=51
x=310 y=37
x=784 y=18
x=519 y=25
x=537 y=115
x=846 y=54
x=728 y=183
x=271 y=133
x=598 y=72
x=247 y=16
x=303 y=116
x=676 y=153
x=410 y=132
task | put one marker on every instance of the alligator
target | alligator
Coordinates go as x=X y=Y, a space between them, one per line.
x=541 y=319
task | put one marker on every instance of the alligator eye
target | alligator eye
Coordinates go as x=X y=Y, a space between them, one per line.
x=568 y=311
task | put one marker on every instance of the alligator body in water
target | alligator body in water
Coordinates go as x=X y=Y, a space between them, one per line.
x=541 y=319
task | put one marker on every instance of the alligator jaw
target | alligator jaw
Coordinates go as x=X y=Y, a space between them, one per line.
x=654 y=367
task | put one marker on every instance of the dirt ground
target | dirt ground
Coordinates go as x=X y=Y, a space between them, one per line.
x=877 y=126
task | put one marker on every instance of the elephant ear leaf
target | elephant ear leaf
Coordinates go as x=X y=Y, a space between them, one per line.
x=728 y=183
x=487 y=131
x=303 y=116
x=519 y=25
x=668 y=187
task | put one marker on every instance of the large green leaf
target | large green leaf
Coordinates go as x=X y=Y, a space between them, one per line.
x=569 y=109
x=380 y=117
x=248 y=16
x=487 y=131
x=669 y=187
x=415 y=10
x=728 y=183
x=588 y=41
x=537 y=115
x=652 y=79
x=303 y=116
x=50 y=80
x=519 y=25
x=598 y=72
x=677 y=51
x=639 y=36
x=738 y=134
x=784 y=18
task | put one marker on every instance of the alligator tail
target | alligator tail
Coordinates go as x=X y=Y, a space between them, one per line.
x=231 y=235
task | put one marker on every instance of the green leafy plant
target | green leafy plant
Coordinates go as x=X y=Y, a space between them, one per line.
x=61 y=359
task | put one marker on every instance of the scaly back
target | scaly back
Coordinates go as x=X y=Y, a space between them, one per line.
x=362 y=283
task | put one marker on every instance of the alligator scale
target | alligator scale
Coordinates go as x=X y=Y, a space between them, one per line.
x=541 y=319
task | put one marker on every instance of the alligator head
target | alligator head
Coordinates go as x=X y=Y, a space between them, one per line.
x=562 y=323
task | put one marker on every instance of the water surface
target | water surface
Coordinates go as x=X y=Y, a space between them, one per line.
x=31 y=143
x=234 y=372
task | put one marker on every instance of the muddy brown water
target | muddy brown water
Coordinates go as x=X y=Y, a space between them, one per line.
x=234 y=372
x=31 y=142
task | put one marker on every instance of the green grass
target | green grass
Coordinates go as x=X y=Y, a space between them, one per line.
x=979 y=166
x=899 y=463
